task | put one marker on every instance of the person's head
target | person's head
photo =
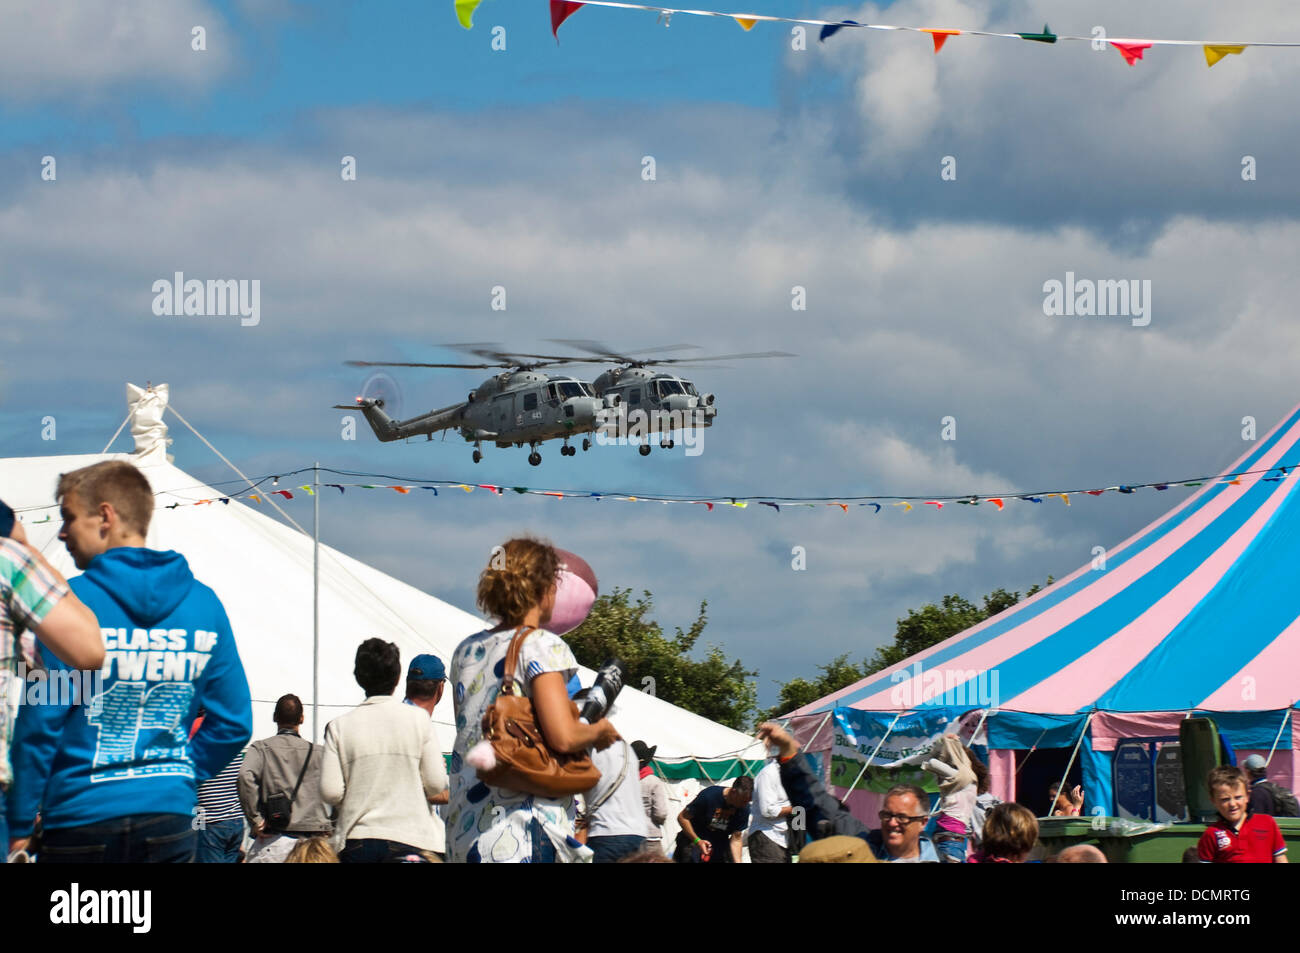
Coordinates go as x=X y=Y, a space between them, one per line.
x=645 y=753
x=1230 y=792
x=426 y=677
x=1081 y=854
x=312 y=850
x=1255 y=767
x=378 y=667
x=740 y=792
x=520 y=576
x=981 y=772
x=103 y=506
x=1010 y=832
x=288 y=711
x=902 y=818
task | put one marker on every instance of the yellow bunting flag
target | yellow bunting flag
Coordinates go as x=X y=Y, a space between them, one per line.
x=741 y=505
x=745 y=22
x=467 y=488
x=905 y=505
x=1065 y=497
x=310 y=491
x=254 y=498
x=465 y=12
x=941 y=37
x=1215 y=53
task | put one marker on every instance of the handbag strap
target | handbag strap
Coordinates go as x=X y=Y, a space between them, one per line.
x=303 y=773
x=591 y=809
x=512 y=658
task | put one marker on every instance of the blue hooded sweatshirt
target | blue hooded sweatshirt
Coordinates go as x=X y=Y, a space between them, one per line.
x=122 y=746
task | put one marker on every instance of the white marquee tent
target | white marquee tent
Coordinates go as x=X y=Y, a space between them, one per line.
x=263 y=572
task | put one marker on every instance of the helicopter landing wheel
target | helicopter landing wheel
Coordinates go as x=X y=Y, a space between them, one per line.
x=671 y=444
x=477 y=456
x=534 y=458
x=644 y=450
x=567 y=451
x=586 y=444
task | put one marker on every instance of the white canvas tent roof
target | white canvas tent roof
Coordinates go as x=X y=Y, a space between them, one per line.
x=262 y=571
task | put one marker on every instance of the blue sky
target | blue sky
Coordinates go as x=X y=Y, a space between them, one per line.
x=775 y=169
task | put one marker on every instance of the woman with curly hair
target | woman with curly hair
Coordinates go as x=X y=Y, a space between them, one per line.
x=487 y=824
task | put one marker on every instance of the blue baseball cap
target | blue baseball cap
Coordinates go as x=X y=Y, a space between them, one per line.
x=427 y=667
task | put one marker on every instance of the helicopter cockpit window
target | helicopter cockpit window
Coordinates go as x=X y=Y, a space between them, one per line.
x=569 y=389
x=550 y=392
x=690 y=389
x=667 y=387
x=530 y=401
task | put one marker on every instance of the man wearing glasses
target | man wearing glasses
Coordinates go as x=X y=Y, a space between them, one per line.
x=902 y=819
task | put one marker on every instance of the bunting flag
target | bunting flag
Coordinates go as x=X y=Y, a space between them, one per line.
x=940 y=37
x=465 y=12
x=1215 y=53
x=1132 y=52
x=561 y=10
x=1272 y=474
x=1131 y=48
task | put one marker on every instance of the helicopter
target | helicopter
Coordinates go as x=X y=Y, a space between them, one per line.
x=523 y=405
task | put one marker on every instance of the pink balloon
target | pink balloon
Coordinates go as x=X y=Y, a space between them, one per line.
x=575 y=592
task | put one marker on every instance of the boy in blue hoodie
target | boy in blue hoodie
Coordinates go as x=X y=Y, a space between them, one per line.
x=113 y=775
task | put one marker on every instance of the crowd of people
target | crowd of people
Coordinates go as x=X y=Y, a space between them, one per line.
x=154 y=763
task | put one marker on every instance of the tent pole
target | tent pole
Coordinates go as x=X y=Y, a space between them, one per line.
x=315 y=599
x=1286 y=719
x=867 y=763
x=975 y=734
x=1070 y=764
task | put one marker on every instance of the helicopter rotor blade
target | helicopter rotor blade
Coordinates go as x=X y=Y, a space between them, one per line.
x=721 y=357
x=418 y=364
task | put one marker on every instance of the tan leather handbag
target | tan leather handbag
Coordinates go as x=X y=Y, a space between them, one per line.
x=524 y=762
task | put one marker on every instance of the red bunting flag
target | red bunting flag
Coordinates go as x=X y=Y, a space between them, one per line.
x=284 y=493
x=935 y=503
x=1132 y=52
x=996 y=501
x=709 y=505
x=561 y=10
x=940 y=38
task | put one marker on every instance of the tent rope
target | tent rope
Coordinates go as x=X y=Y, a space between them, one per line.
x=1025 y=759
x=120 y=426
x=1069 y=764
x=1286 y=719
x=242 y=476
x=872 y=756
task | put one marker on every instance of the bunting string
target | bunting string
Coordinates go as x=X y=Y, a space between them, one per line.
x=904 y=504
x=1130 y=48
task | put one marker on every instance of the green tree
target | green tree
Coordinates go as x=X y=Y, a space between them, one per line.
x=719 y=689
x=922 y=628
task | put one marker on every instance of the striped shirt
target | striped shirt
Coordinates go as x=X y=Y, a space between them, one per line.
x=219 y=796
x=28 y=591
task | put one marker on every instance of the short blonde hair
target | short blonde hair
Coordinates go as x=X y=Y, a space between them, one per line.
x=313 y=850
x=1010 y=830
x=115 y=482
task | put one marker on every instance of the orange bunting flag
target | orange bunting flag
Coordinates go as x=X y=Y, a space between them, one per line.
x=253 y=497
x=1065 y=497
x=1132 y=52
x=941 y=37
x=1215 y=53
x=1236 y=481
x=746 y=23
x=905 y=505
x=996 y=501
x=467 y=488
x=935 y=503
x=548 y=493
x=401 y=489
x=843 y=506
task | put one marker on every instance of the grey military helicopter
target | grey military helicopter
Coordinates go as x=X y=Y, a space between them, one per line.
x=521 y=405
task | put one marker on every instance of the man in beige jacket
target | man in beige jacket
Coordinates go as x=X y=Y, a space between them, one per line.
x=381 y=766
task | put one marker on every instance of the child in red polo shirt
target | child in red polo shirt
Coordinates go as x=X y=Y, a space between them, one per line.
x=1238 y=837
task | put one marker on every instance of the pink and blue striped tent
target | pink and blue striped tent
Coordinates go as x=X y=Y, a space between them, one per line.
x=1197 y=612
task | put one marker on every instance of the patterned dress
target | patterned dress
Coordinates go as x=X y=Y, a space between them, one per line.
x=495 y=825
